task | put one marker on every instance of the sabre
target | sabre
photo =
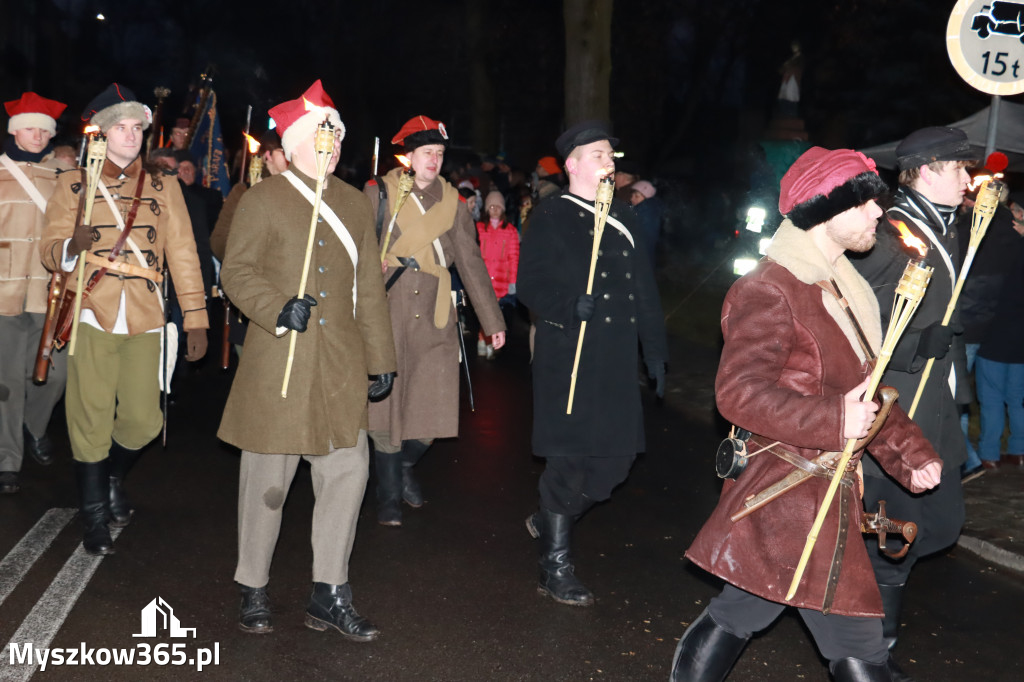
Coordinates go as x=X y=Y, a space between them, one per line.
x=376 y=150
x=405 y=184
x=909 y=293
x=323 y=143
x=984 y=209
x=602 y=205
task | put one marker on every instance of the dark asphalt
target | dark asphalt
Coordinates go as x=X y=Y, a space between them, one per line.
x=453 y=590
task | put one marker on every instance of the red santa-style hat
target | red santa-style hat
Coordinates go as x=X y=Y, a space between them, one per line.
x=297 y=119
x=420 y=130
x=33 y=111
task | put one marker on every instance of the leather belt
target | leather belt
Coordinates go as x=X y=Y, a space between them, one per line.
x=124 y=268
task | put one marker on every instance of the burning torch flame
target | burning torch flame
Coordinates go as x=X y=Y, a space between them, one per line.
x=910 y=240
x=254 y=145
x=404 y=160
x=91 y=130
x=980 y=180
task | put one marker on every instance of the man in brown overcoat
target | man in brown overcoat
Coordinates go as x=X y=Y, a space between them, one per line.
x=344 y=336
x=113 y=391
x=435 y=229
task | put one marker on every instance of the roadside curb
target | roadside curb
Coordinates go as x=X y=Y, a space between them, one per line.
x=990 y=552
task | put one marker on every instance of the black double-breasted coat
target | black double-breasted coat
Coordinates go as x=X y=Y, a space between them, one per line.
x=606 y=419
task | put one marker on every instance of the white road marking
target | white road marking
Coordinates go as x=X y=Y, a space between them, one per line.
x=20 y=559
x=50 y=612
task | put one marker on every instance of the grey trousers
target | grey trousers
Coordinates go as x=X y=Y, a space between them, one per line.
x=339 y=481
x=26 y=403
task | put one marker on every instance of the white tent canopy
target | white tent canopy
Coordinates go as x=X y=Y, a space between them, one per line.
x=1009 y=136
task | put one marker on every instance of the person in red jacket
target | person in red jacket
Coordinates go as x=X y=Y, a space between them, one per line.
x=499 y=246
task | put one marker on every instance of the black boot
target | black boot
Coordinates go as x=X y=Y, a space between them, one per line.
x=331 y=606
x=412 y=451
x=254 y=613
x=892 y=606
x=40 y=449
x=856 y=670
x=121 y=461
x=389 y=488
x=706 y=651
x=93 y=493
x=557 y=579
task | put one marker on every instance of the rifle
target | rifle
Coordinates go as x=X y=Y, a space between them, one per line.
x=54 y=302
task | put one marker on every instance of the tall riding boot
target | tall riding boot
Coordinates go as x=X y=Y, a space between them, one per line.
x=892 y=606
x=121 y=461
x=706 y=651
x=856 y=670
x=389 y=488
x=412 y=450
x=557 y=579
x=93 y=497
x=331 y=606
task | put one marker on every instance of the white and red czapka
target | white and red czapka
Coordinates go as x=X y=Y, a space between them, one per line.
x=297 y=119
x=33 y=111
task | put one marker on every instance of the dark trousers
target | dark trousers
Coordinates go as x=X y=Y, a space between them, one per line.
x=837 y=637
x=572 y=485
x=938 y=513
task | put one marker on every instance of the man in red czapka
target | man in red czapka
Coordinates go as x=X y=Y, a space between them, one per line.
x=433 y=232
x=28 y=177
x=793 y=372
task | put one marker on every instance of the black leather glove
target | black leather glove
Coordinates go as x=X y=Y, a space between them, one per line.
x=584 y=309
x=81 y=240
x=656 y=371
x=381 y=388
x=934 y=341
x=196 y=344
x=295 y=313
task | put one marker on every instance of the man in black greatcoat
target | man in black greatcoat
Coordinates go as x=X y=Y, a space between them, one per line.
x=590 y=451
x=933 y=181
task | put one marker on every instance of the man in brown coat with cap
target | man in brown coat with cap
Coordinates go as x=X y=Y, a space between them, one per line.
x=28 y=176
x=139 y=224
x=343 y=337
x=433 y=232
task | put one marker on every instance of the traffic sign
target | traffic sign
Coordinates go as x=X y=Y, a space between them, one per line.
x=985 y=42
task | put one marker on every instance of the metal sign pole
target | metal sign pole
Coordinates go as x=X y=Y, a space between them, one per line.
x=993 y=125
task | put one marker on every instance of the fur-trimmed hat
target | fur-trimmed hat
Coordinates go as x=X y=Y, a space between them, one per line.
x=114 y=104
x=823 y=183
x=297 y=119
x=420 y=130
x=32 y=111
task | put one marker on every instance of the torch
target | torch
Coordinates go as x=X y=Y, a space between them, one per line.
x=602 y=204
x=255 y=161
x=323 y=144
x=909 y=293
x=405 y=184
x=984 y=209
x=96 y=156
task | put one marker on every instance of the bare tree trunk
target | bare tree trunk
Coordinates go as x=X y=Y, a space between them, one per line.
x=484 y=110
x=588 y=59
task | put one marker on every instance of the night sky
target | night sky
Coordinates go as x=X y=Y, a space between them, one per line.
x=693 y=83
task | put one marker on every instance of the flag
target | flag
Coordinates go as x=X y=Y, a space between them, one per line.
x=208 y=146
